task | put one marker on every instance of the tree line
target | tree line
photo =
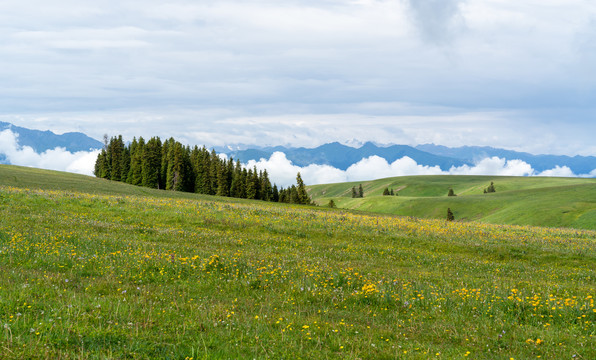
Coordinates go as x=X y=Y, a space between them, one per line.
x=170 y=165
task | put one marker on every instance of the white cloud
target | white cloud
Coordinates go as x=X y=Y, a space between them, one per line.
x=82 y=162
x=283 y=172
x=530 y=63
x=495 y=166
x=558 y=171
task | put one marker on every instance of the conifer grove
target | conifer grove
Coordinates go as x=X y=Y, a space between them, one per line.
x=170 y=165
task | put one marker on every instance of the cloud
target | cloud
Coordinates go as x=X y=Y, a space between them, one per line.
x=495 y=166
x=182 y=60
x=282 y=172
x=558 y=171
x=82 y=162
x=436 y=20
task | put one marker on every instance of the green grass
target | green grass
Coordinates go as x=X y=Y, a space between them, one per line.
x=554 y=202
x=96 y=270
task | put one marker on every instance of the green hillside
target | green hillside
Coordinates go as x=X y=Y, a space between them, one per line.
x=555 y=202
x=92 y=269
x=33 y=178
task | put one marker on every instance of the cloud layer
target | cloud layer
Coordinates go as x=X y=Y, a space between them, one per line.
x=81 y=162
x=283 y=172
x=372 y=69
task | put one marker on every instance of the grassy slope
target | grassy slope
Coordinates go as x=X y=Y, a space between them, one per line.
x=567 y=202
x=33 y=178
x=123 y=275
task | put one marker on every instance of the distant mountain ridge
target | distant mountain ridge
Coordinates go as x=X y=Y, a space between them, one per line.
x=343 y=156
x=577 y=164
x=42 y=141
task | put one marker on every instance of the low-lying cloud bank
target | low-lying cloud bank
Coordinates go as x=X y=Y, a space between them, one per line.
x=283 y=172
x=81 y=162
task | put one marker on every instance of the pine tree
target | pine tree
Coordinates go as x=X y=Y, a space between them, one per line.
x=391 y=193
x=251 y=186
x=294 y=198
x=386 y=192
x=115 y=149
x=331 y=204
x=223 y=187
x=451 y=193
x=266 y=190
x=151 y=163
x=283 y=195
x=450 y=216
x=215 y=162
x=101 y=165
x=490 y=188
x=203 y=182
x=302 y=195
x=236 y=178
x=360 y=191
x=164 y=162
x=125 y=164
x=275 y=194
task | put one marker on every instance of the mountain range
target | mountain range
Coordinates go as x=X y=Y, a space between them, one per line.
x=333 y=154
x=343 y=156
x=42 y=141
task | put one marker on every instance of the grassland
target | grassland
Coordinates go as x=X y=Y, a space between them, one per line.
x=554 y=202
x=98 y=270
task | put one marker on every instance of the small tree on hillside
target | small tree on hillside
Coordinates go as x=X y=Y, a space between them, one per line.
x=360 y=191
x=391 y=193
x=331 y=204
x=354 y=193
x=451 y=193
x=450 y=216
x=490 y=188
x=386 y=192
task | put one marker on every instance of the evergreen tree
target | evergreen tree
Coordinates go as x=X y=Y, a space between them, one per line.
x=392 y=193
x=256 y=179
x=164 y=162
x=266 y=190
x=151 y=163
x=215 y=162
x=134 y=172
x=302 y=195
x=115 y=149
x=203 y=181
x=174 y=166
x=223 y=187
x=360 y=191
x=451 y=193
x=125 y=164
x=386 y=192
x=275 y=194
x=251 y=187
x=101 y=165
x=283 y=195
x=354 y=192
x=450 y=216
x=331 y=204
x=490 y=188
x=294 y=198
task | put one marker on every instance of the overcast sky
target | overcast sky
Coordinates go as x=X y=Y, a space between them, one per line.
x=505 y=73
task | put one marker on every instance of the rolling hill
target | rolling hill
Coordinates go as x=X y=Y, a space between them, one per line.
x=539 y=201
x=96 y=269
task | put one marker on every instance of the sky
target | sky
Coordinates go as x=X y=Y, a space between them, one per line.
x=512 y=74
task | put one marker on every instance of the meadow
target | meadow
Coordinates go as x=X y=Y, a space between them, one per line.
x=538 y=201
x=94 y=269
